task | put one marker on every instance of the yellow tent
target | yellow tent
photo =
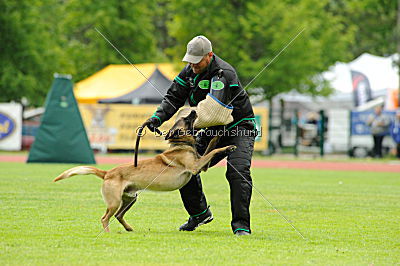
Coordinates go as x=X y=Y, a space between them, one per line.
x=118 y=80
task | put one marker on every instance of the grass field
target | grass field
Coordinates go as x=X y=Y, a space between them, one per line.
x=347 y=217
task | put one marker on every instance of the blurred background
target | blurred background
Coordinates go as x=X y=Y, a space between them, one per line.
x=313 y=98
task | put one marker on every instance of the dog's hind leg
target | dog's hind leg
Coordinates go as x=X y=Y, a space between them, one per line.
x=105 y=220
x=112 y=197
x=128 y=199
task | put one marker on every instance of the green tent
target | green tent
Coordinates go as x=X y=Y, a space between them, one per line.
x=61 y=137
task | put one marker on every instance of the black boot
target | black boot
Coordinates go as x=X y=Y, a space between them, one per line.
x=197 y=220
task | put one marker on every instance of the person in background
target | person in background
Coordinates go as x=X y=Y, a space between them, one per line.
x=379 y=124
x=395 y=132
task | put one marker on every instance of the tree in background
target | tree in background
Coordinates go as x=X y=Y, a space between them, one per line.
x=249 y=34
x=374 y=22
x=42 y=37
x=162 y=15
x=127 y=24
x=28 y=58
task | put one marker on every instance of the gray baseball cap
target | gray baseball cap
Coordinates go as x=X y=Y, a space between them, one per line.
x=198 y=47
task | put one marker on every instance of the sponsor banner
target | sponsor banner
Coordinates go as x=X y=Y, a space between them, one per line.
x=10 y=126
x=359 y=120
x=114 y=126
x=261 y=115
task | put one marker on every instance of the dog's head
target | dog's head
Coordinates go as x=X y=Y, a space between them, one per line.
x=183 y=128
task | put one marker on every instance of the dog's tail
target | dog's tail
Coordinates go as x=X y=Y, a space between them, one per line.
x=81 y=170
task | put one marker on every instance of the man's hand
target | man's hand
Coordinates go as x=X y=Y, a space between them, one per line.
x=153 y=123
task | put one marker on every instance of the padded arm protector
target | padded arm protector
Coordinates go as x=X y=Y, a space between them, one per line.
x=212 y=112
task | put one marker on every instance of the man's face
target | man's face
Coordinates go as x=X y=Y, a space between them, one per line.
x=202 y=65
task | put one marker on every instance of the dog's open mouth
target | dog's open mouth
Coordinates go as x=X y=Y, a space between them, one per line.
x=183 y=127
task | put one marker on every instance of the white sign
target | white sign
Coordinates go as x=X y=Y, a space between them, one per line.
x=10 y=126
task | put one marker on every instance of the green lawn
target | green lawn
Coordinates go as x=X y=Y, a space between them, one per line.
x=348 y=218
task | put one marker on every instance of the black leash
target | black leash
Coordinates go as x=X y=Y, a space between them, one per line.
x=145 y=124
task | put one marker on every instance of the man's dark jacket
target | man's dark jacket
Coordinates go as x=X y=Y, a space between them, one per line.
x=195 y=87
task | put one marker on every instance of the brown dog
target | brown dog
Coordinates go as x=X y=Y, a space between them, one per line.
x=168 y=171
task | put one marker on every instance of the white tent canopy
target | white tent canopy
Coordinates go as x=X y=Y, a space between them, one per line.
x=381 y=72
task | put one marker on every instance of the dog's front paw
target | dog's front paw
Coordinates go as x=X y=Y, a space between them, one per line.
x=231 y=149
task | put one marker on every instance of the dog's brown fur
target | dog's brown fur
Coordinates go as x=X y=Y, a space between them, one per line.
x=168 y=171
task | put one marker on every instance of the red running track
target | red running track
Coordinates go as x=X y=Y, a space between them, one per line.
x=393 y=166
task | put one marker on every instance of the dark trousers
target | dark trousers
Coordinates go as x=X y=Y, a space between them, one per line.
x=238 y=171
x=378 y=146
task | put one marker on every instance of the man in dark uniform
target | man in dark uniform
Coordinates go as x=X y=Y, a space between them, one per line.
x=208 y=80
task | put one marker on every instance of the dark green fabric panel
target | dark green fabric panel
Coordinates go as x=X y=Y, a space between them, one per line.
x=61 y=137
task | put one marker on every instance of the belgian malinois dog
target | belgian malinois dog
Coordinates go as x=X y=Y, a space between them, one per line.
x=167 y=171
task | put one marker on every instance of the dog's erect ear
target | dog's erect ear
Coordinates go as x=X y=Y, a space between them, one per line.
x=192 y=115
x=189 y=120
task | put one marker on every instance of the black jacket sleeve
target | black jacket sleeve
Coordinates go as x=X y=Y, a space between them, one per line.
x=175 y=98
x=220 y=89
x=222 y=85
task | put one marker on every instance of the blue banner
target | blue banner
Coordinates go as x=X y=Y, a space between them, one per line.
x=359 y=120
